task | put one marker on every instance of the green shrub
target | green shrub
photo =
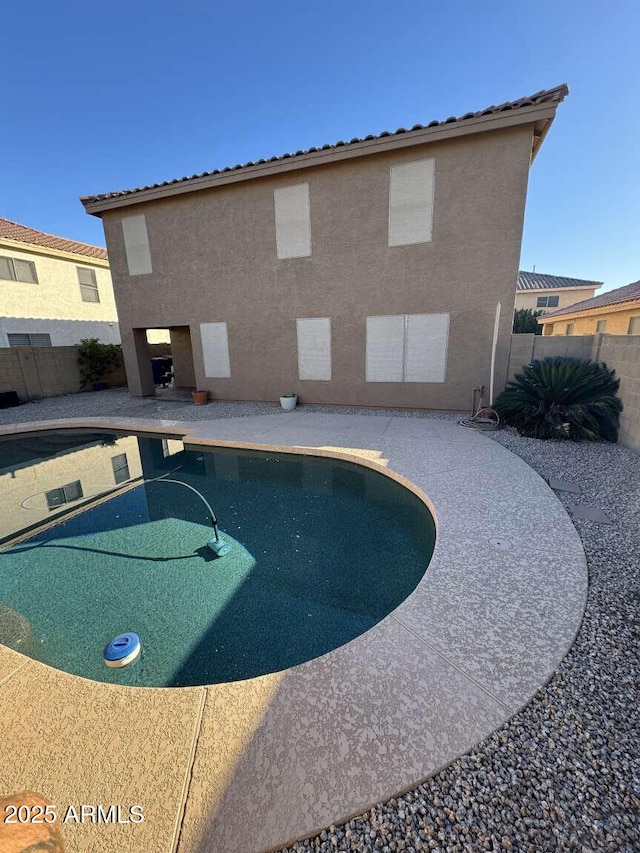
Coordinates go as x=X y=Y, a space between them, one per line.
x=96 y=359
x=525 y=321
x=563 y=398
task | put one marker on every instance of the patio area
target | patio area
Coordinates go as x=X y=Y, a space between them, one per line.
x=253 y=765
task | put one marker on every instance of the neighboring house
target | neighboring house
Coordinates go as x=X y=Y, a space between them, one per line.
x=366 y=272
x=53 y=291
x=616 y=313
x=542 y=292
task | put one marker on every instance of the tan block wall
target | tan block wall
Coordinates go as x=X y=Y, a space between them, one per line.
x=528 y=298
x=214 y=259
x=619 y=352
x=37 y=372
x=57 y=295
x=617 y=323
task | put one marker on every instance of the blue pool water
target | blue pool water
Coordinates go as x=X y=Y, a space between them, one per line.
x=321 y=551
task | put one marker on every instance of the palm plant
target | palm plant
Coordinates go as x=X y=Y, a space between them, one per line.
x=562 y=397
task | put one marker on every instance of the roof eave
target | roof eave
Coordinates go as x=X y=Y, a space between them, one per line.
x=627 y=305
x=535 y=114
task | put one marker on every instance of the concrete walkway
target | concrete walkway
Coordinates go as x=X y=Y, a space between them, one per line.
x=252 y=765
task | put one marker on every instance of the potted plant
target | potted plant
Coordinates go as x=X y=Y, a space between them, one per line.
x=200 y=397
x=95 y=361
x=288 y=401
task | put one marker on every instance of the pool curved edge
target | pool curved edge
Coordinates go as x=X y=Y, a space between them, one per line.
x=487 y=625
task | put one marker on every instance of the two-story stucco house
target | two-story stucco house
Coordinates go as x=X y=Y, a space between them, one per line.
x=366 y=272
x=53 y=291
x=543 y=292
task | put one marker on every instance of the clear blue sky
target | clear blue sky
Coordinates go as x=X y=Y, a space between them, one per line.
x=112 y=95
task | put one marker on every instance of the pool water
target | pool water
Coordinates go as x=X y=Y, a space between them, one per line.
x=322 y=550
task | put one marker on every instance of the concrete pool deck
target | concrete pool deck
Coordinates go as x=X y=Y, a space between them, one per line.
x=252 y=765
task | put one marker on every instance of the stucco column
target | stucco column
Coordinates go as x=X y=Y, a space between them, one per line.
x=137 y=362
x=181 y=352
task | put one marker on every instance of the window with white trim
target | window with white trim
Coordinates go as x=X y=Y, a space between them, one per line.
x=411 y=191
x=293 y=221
x=215 y=350
x=17 y=269
x=88 y=284
x=23 y=339
x=136 y=244
x=547 y=302
x=407 y=348
x=64 y=495
x=314 y=348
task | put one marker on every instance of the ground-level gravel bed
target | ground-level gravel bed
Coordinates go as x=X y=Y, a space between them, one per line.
x=563 y=774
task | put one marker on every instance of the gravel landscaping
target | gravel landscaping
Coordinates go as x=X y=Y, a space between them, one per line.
x=563 y=774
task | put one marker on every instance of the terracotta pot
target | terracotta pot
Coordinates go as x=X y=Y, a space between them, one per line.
x=200 y=397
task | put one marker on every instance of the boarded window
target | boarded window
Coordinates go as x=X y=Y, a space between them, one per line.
x=314 y=348
x=215 y=350
x=22 y=339
x=136 y=244
x=411 y=188
x=88 y=285
x=385 y=348
x=293 y=221
x=407 y=348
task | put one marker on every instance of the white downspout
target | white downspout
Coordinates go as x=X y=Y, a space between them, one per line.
x=493 y=351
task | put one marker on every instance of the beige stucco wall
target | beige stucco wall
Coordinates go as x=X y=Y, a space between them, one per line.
x=57 y=297
x=24 y=488
x=617 y=321
x=214 y=259
x=567 y=296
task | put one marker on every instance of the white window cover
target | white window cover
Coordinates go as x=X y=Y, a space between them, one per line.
x=136 y=244
x=215 y=350
x=293 y=221
x=385 y=348
x=426 y=347
x=411 y=188
x=407 y=348
x=314 y=348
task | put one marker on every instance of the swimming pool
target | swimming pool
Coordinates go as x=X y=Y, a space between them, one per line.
x=103 y=535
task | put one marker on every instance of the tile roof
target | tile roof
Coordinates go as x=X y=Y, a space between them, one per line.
x=23 y=234
x=555 y=96
x=628 y=293
x=543 y=281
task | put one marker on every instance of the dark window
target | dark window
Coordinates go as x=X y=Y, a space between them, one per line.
x=64 y=495
x=547 y=302
x=16 y=269
x=88 y=285
x=22 y=339
x=120 y=468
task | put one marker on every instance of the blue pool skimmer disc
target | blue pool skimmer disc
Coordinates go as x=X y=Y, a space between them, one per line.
x=122 y=650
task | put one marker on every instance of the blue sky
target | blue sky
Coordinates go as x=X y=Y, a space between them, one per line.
x=105 y=96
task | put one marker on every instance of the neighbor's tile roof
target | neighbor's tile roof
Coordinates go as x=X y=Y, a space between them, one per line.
x=542 y=281
x=23 y=234
x=628 y=293
x=555 y=95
